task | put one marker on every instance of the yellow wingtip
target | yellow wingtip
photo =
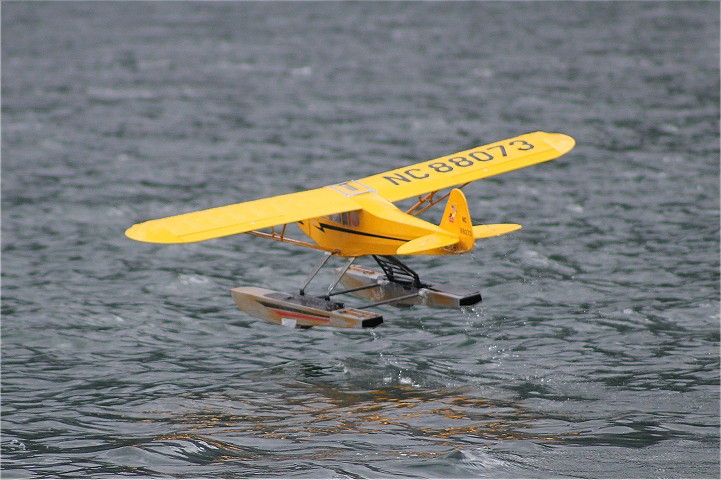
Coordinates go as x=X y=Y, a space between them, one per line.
x=560 y=142
x=151 y=233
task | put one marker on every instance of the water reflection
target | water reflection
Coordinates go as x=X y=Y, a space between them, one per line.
x=312 y=420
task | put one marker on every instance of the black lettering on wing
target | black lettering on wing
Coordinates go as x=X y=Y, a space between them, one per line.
x=410 y=173
x=397 y=177
x=481 y=156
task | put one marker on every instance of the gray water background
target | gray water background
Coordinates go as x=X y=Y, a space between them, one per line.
x=594 y=354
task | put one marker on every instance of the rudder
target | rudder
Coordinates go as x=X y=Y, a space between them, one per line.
x=457 y=220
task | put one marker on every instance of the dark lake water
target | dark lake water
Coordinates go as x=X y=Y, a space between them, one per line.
x=594 y=354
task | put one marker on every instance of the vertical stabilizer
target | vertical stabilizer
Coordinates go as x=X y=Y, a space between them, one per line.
x=457 y=221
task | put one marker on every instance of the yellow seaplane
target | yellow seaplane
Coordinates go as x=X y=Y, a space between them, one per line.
x=358 y=217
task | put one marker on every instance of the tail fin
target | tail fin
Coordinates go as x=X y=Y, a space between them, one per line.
x=457 y=221
x=459 y=234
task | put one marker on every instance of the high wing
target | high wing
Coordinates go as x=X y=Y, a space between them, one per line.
x=469 y=165
x=242 y=217
x=421 y=178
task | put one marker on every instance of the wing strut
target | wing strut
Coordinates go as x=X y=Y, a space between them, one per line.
x=418 y=208
x=280 y=237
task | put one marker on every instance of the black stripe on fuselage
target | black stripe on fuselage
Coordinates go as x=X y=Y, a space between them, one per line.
x=323 y=226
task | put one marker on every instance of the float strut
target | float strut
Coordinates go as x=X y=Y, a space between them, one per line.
x=356 y=289
x=323 y=261
x=390 y=300
x=339 y=276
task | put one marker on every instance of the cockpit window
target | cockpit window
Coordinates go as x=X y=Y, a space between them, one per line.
x=351 y=219
x=354 y=218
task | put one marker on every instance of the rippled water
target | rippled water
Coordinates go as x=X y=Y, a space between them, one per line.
x=594 y=354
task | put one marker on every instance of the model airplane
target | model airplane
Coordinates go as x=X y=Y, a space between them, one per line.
x=357 y=218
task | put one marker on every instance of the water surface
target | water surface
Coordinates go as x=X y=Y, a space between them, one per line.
x=594 y=354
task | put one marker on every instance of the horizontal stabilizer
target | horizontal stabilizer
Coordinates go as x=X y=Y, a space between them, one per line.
x=427 y=242
x=493 y=230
